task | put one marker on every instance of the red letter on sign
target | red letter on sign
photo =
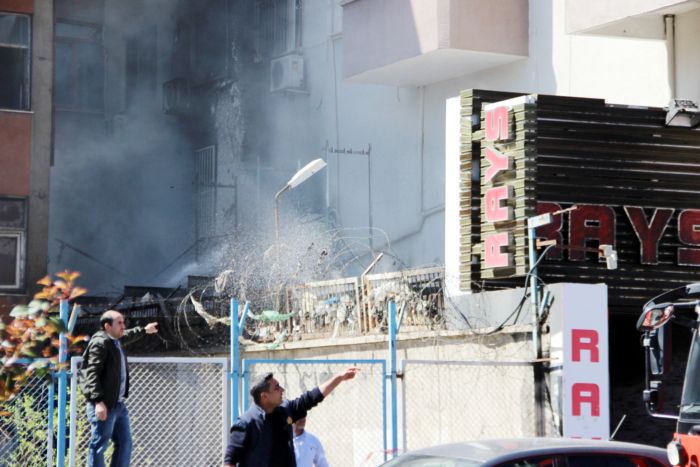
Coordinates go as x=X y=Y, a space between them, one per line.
x=585 y=393
x=590 y=222
x=584 y=339
x=551 y=231
x=498 y=162
x=497 y=124
x=494 y=257
x=649 y=234
x=495 y=211
x=689 y=234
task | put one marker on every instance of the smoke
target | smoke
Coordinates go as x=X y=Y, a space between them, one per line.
x=132 y=201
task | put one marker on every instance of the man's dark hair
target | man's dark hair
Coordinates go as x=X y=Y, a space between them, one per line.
x=108 y=318
x=105 y=319
x=261 y=386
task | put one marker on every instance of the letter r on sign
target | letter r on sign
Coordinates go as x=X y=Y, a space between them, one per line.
x=584 y=339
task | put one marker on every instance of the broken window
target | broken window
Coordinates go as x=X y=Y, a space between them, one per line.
x=79 y=67
x=14 y=61
x=12 y=243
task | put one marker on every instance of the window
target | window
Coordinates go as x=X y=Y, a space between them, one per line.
x=278 y=26
x=12 y=243
x=79 y=67
x=15 y=58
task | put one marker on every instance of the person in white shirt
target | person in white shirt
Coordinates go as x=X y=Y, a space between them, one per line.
x=307 y=448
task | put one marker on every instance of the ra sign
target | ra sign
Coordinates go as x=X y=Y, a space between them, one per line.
x=580 y=349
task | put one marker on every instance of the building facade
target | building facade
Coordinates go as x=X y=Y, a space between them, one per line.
x=26 y=77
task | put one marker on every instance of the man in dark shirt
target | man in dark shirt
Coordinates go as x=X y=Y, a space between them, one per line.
x=262 y=437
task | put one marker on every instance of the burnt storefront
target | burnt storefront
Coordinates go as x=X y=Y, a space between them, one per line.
x=622 y=178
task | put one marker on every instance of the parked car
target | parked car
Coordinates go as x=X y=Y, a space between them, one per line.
x=534 y=452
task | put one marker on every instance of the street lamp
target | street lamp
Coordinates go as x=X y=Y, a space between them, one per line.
x=300 y=177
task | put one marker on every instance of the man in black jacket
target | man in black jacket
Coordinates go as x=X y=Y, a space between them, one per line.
x=104 y=381
x=262 y=437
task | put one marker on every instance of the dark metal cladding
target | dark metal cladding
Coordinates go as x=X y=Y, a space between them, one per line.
x=588 y=152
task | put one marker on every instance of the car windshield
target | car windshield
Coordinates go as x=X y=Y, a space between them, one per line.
x=418 y=460
x=690 y=402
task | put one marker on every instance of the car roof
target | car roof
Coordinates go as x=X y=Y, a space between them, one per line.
x=500 y=450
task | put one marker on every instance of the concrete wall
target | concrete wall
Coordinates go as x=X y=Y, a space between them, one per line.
x=42 y=143
x=440 y=400
x=406 y=125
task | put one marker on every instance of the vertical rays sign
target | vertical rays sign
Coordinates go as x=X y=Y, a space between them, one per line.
x=506 y=199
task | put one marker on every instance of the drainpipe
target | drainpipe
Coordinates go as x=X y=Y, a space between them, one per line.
x=670 y=36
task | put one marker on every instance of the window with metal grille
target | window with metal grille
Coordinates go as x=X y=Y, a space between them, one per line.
x=279 y=26
x=205 y=172
x=13 y=222
x=79 y=67
x=15 y=56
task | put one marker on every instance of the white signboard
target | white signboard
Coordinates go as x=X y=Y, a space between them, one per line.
x=580 y=343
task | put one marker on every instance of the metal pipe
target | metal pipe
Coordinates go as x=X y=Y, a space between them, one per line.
x=234 y=359
x=392 y=356
x=533 y=292
x=670 y=37
x=62 y=354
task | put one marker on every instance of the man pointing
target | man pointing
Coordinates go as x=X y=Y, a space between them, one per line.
x=262 y=437
x=104 y=381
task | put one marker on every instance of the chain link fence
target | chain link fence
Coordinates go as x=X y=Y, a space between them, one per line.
x=23 y=428
x=446 y=402
x=178 y=408
x=351 y=422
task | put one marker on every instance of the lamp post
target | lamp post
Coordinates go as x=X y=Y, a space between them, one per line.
x=300 y=177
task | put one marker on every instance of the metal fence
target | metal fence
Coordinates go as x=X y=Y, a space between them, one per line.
x=453 y=401
x=417 y=292
x=23 y=429
x=326 y=308
x=357 y=305
x=351 y=423
x=178 y=408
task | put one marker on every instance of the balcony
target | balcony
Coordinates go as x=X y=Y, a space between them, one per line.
x=417 y=42
x=623 y=18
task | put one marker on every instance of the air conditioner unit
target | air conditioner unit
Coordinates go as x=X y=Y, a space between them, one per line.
x=176 y=96
x=287 y=73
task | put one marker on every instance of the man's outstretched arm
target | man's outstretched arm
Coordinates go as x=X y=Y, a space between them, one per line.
x=328 y=386
x=299 y=406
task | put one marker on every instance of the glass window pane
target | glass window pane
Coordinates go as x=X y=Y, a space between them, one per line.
x=14 y=29
x=14 y=78
x=8 y=260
